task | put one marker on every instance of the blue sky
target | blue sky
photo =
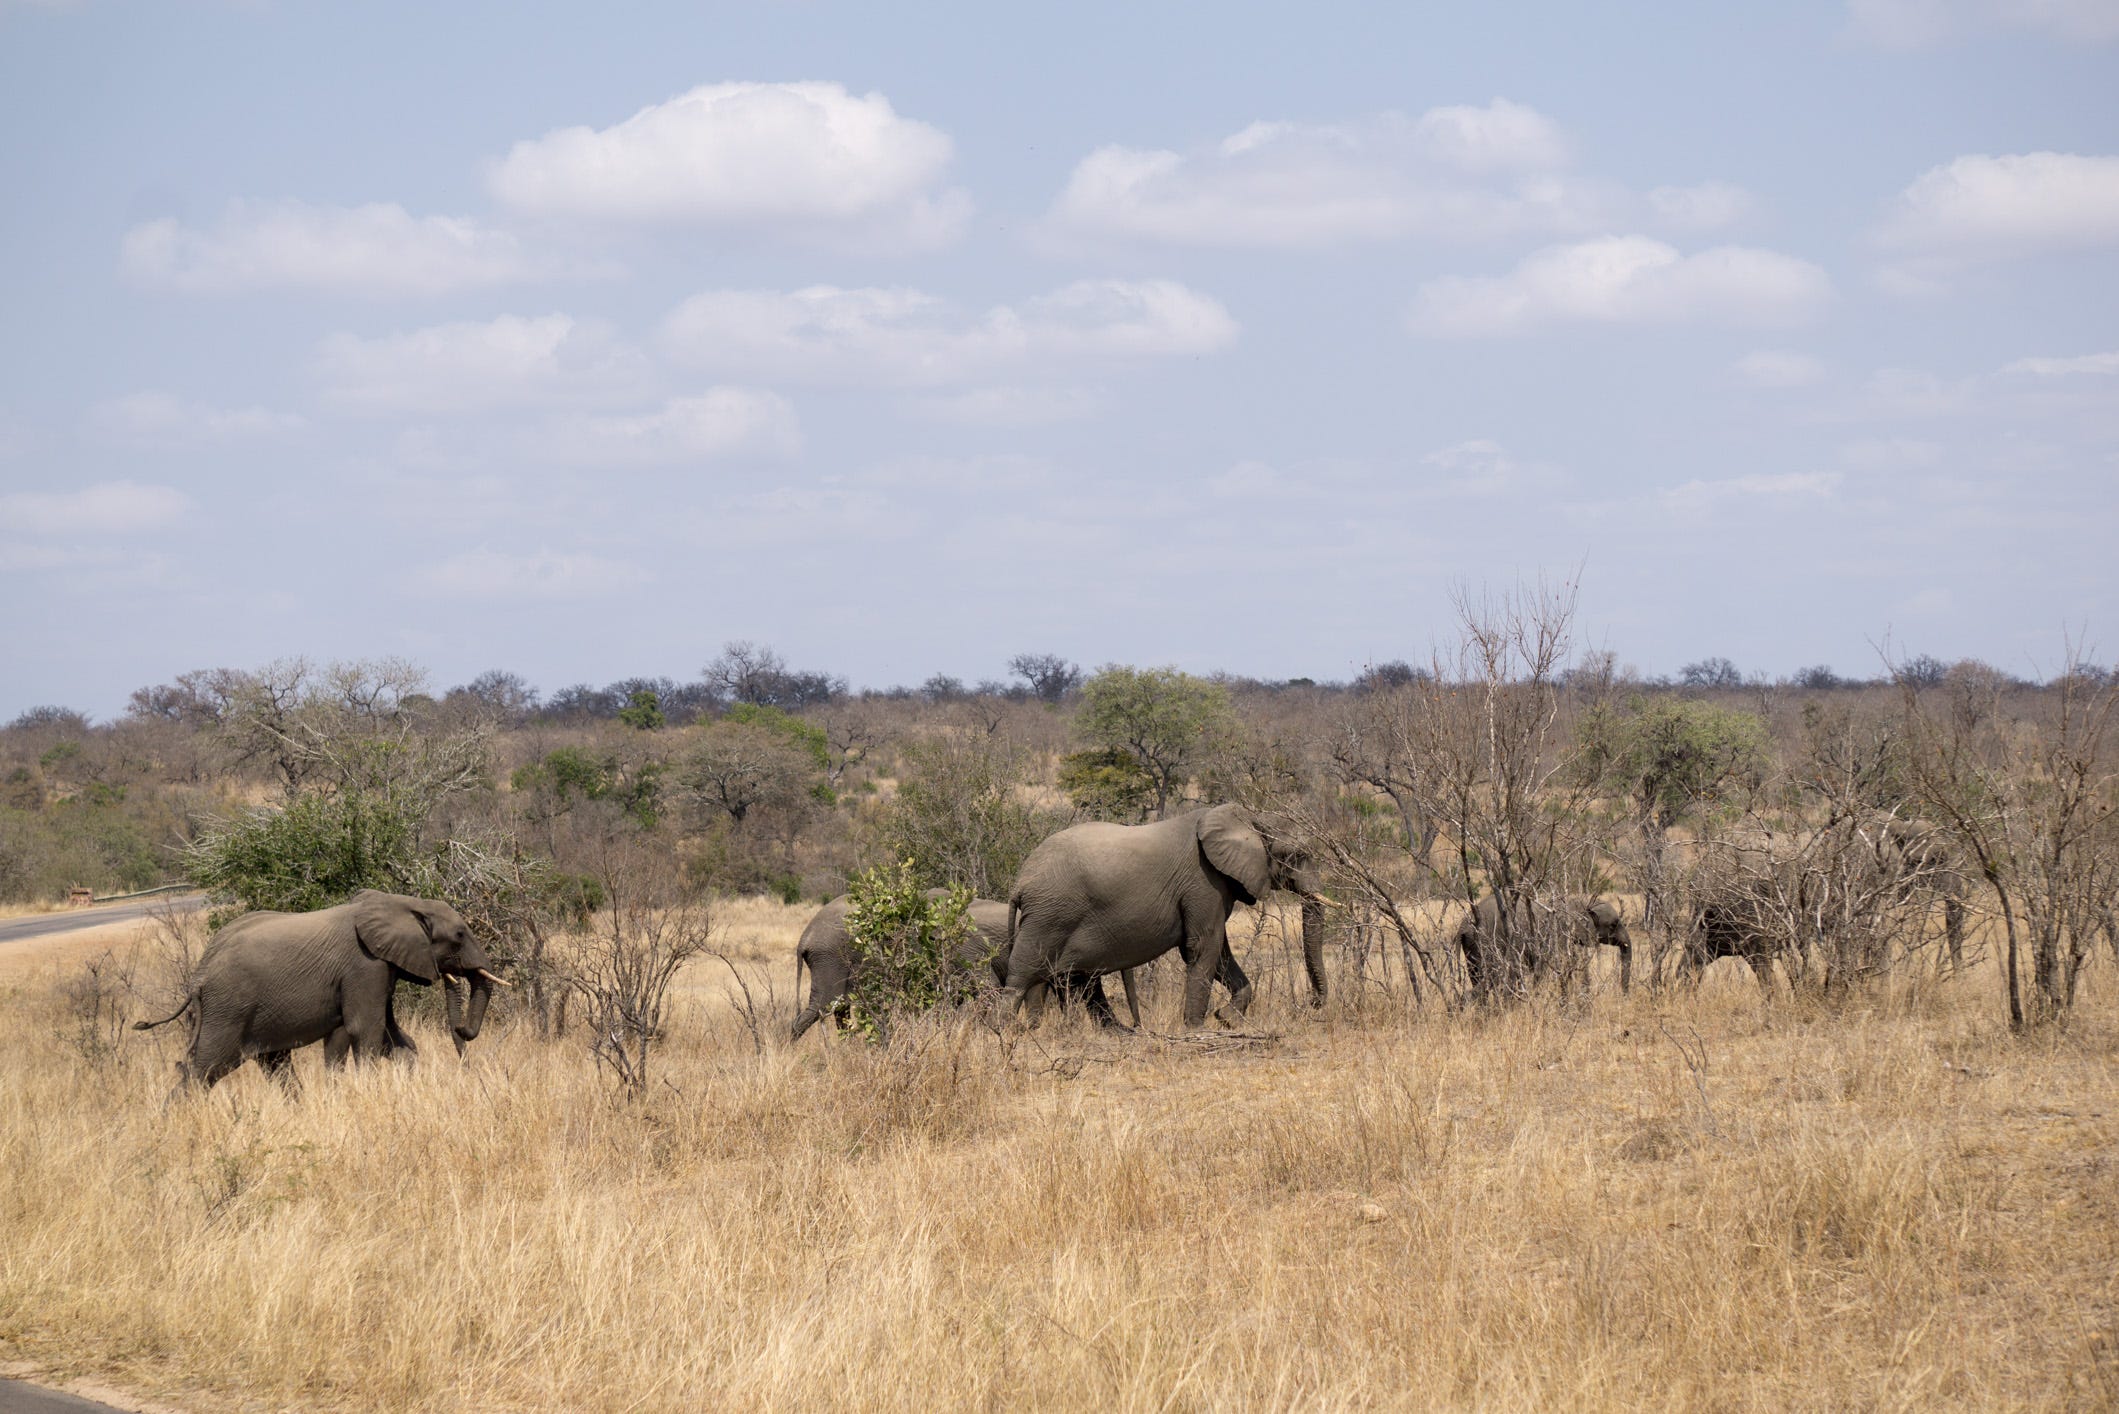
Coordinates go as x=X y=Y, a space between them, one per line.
x=579 y=340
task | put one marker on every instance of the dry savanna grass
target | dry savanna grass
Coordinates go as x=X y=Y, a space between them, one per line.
x=1698 y=1201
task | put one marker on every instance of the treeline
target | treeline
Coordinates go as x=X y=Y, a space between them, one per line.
x=1508 y=764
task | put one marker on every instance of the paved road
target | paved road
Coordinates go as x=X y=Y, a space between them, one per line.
x=43 y=925
x=19 y=1398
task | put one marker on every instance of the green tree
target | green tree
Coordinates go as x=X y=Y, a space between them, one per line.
x=642 y=711
x=1107 y=783
x=1169 y=722
x=908 y=951
x=1668 y=757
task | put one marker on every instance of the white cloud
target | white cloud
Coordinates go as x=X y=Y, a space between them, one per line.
x=1919 y=24
x=907 y=338
x=489 y=574
x=805 y=155
x=721 y=422
x=1785 y=487
x=1777 y=368
x=1462 y=173
x=378 y=249
x=1995 y=208
x=108 y=508
x=474 y=367
x=1010 y=406
x=1705 y=207
x=2104 y=364
x=1890 y=454
x=1481 y=467
x=1626 y=280
x=155 y=419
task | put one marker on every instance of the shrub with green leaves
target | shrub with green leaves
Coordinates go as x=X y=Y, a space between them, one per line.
x=910 y=951
x=314 y=853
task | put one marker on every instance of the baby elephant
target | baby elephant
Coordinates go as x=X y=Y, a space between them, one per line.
x=1511 y=959
x=824 y=950
x=271 y=982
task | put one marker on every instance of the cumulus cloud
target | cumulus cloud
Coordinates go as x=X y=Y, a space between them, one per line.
x=378 y=249
x=108 y=508
x=158 y=419
x=1777 y=368
x=1981 y=208
x=2104 y=364
x=1460 y=172
x=490 y=574
x=1625 y=280
x=719 y=423
x=476 y=367
x=1919 y=24
x=908 y=338
x=808 y=156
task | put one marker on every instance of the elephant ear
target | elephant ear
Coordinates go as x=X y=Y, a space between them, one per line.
x=1233 y=845
x=389 y=927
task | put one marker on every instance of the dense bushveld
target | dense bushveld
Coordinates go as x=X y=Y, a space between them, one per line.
x=1888 y=1179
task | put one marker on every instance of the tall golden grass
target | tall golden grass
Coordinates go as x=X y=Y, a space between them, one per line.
x=1703 y=1201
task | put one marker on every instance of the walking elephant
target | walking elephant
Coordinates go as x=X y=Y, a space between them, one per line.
x=1510 y=959
x=1101 y=898
x=826 y=952
x=270 y=983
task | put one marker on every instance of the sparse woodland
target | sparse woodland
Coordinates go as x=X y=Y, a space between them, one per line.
x=1890 y=1177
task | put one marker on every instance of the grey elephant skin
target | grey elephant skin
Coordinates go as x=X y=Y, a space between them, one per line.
x=1098 y=898
x=1511 y=959
x=269 y=983
x=826 y=953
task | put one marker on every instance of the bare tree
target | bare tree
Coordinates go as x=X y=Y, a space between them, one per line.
x=2028 y=795
x=1050 y=676
x=625 y=964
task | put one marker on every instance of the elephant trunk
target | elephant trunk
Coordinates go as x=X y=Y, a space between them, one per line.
x=455 y=1007
x=1313 y=946
x=481 y=994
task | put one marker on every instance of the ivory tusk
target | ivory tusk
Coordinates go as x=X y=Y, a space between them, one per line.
x=496 y=981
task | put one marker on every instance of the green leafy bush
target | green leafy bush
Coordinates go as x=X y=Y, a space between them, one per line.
x=311 y=854
x=909 y=950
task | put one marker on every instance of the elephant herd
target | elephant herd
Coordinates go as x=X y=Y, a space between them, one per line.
x=1090 y=900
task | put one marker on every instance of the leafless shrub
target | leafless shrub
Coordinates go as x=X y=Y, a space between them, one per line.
x=623 y=965
x=2029 y=797
x=98 y=1001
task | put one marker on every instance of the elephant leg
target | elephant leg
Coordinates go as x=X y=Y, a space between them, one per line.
x=1088 y=988
x=1126 y=980
x=216 y=1050
x=1762 y=968
x=1231 y=976
x=336 y=1047
x=279 y=1065
x=1034 y=1003
x=1953 y=929
x=1202 y=952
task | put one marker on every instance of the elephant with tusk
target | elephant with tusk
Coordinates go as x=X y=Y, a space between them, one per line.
x=270 y=983
x=1098 y=898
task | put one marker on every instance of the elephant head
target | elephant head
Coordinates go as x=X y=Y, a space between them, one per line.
x=1608 y=929
x=1261 y=854
x=428 y=941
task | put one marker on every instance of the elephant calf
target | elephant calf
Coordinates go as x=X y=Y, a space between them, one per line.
x=270 y=983
x=1512 y=958
x=827 y=953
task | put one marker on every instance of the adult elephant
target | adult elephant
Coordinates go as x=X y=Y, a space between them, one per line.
x=1101 y=898
x=825 y=950
x=272 y=982
x=1510 y=959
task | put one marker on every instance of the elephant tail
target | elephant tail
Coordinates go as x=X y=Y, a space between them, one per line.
x=189 y=998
